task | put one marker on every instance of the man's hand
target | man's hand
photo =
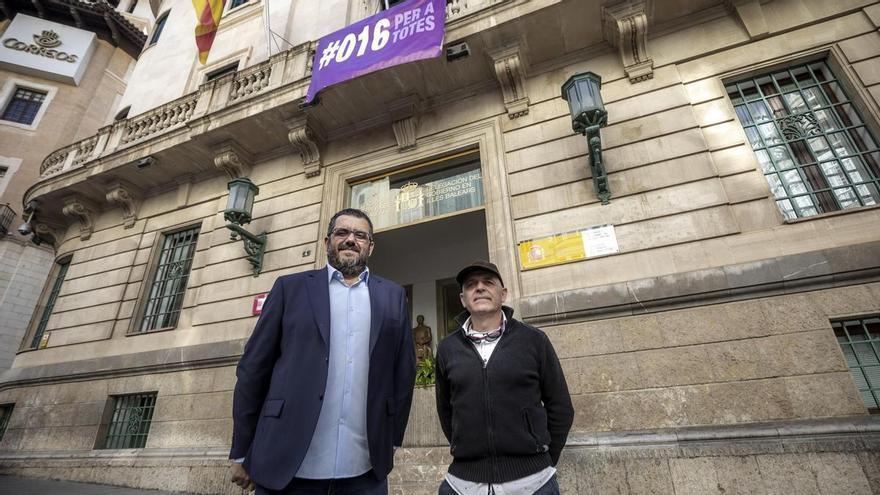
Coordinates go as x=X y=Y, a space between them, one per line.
x=240 y=477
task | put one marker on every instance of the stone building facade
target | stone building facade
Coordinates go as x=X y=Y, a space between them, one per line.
x=49 y=102
x=725 y=340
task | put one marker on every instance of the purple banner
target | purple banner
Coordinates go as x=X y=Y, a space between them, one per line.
x=407 y=32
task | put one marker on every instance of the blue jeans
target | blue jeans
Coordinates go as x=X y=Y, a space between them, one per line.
x=365 y=484
x=549 y=488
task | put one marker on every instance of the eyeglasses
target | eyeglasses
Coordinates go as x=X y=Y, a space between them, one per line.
x=342 y=234
x=485 y=337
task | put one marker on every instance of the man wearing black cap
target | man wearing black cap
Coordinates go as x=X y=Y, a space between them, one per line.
x=501 y=396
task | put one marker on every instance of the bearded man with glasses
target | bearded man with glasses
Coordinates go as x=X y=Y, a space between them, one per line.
x=325 y=382
x=502 y=399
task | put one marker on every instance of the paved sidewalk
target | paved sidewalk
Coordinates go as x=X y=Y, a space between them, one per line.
x=13 y=485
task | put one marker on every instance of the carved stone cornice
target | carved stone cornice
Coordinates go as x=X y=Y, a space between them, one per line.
x=751 y=14
x=127 y=197
x=510 y=72
x=233 y=159
x=405 y=121
x=303 y=138
x=83 y=211
x=625 y=27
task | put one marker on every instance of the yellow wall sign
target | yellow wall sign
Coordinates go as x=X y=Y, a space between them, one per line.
x=570 y=246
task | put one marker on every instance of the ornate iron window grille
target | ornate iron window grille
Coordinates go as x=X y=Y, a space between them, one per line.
x=50 y=303
x=811 y=142
x=165 y=298
x=860 y=341
x=130 y=423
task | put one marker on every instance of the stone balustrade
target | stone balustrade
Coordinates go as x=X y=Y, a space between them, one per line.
x=279 y=70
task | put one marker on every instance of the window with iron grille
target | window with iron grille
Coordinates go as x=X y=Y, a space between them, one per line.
x=165 y=296
x=5 y=414
x=24 y=105
x=7 y=215
x=812 y=144
x=50 y=303
x=157 y=29
x=860 y=341
x=130 y=423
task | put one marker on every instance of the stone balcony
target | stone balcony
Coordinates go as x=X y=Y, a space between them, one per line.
x=257 y=113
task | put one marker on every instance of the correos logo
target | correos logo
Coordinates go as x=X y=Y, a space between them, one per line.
x=45 y=46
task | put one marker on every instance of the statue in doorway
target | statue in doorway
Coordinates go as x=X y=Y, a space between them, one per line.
x=422 y=338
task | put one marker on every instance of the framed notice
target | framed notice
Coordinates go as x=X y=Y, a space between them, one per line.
x=570 y=246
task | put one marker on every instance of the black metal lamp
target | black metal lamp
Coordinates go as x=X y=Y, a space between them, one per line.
x=588 y=115
x=239 y=207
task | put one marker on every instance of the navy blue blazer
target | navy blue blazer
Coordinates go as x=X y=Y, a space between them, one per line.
x=283 y=372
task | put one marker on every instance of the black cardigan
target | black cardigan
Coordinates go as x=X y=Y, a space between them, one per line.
x=506 y=420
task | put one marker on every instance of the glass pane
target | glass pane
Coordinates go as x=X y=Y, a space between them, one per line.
x=803 y=76
x=872 y=325
x=776 y=186
x=841 y=144
x=855 y=169
x=804 y=206
x=849 y=355
x=868 y=194
x=869 y=399
x=855 y=331
x=863 y=139
x=827 y=121
x=784 y=80
x=820 y=148
x=781 y=157
x=846 y=197
x=795 y=102
x=754 y=139
x=814 y=98
x=866 y=355
x=847 y=115
x=417 y=194
x=794 y=182
x=759 y=110
x=786 y=209
x=749 y=91
x=764 y=161
x=833 y=92
x=770 y=134
x=873 y=161
x=820 y=70
x=744 y=117
x=777 y=106
x=825 y=202
x=767 y=86
x=834 y=174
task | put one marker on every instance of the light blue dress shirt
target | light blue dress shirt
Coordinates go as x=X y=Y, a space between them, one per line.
x=339 y=447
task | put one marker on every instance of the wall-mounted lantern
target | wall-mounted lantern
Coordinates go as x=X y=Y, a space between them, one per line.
x=588 y=115
x=239 y=207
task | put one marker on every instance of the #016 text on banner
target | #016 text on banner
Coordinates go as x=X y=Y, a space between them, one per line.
x=407 y=32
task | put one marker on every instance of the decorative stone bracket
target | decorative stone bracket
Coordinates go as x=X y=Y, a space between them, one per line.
x=233 y=159
x=625 y=26
x=303 y=137
x=127 y=197
x=510 y=72
x=83 y=211
x=405 y=121
x=751 y=14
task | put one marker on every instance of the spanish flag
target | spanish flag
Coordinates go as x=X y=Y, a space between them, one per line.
x=208 y=13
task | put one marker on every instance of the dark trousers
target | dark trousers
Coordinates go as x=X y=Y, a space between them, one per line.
x=365 y=484
x=549 y=488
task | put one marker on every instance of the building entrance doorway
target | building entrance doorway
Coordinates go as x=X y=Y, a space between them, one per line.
x=424 y=258
x=429 y=221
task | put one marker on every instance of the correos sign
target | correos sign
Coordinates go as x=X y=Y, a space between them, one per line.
x=46 y=49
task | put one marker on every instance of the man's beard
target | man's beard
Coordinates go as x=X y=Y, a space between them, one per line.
x=348 y=267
